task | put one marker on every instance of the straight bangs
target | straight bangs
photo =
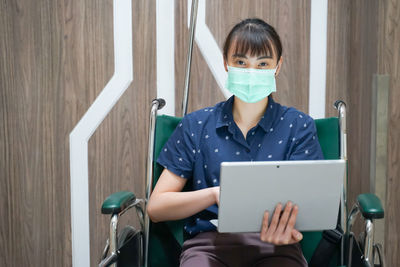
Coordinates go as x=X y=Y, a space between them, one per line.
x=251 y=40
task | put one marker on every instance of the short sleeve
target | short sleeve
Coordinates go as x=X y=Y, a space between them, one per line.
x=178 y=153
x=305 y=144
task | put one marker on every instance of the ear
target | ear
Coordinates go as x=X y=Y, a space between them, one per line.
x=225 y=66
x=280 y=62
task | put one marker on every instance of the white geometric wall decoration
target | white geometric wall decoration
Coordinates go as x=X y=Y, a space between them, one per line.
x=165 y=27
x=318 y=45
x=80 y=135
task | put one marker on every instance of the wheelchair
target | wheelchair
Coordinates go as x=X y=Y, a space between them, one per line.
x=159 y=244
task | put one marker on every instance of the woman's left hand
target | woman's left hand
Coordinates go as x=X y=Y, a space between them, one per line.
x=281 y=229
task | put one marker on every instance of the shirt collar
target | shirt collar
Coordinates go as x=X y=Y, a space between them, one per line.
x=225 y=117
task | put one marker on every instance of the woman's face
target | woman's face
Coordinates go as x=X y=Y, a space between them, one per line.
x=251 y=61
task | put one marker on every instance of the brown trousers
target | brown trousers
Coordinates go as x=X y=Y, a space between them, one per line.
x=215 y=249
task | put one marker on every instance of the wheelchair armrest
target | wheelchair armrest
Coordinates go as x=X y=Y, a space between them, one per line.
x=370 y=206
x=117 y=202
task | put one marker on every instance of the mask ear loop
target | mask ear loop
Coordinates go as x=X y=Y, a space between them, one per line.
x=277 y=65
x=276 y=68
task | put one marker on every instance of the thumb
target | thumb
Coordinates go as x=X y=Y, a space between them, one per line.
x=297 y=235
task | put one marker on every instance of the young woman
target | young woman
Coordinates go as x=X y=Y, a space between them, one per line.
x=248 y=126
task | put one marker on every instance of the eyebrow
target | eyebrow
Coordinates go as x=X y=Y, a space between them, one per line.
x=244 y=56
x=239 y=55
x=262 y=57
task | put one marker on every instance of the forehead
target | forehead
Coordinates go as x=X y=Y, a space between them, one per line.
x=252 y=49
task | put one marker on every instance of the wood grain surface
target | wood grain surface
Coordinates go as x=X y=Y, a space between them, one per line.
x=56 y=58
x=34 y=126
x=389 y=63
x=338 y=54
x=364 y=39
x=351 y=63
x=363 y=65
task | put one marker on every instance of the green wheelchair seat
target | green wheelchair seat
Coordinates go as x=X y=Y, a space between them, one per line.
x=328 y=135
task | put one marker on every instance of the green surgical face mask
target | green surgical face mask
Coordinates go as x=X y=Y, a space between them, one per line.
x=251 y=85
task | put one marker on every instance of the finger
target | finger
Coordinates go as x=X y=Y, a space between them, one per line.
x=264 y=227
x=275 y=219
x=284 y=218
x=292 y=220
x=286 y=236
x=296 y=235
x=265 y=221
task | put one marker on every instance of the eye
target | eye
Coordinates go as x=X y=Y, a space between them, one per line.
x=263 y=64
x=240 y=62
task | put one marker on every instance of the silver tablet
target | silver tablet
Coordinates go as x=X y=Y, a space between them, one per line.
x=250 y=188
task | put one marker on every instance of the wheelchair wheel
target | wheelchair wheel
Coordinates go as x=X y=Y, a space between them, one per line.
x=356 y=258
x=379 y=252
x=130 y=246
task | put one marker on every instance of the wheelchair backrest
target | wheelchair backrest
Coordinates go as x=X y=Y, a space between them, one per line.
x=164 y=236
x=328 y=135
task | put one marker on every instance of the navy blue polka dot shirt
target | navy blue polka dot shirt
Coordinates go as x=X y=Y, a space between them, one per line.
x=209 y=136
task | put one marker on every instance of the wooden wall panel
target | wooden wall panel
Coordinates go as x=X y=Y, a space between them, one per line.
x=389 y=63
x=363 y=65
x=88 y=49
x=56 y=57
x=338 y=54
x=290 y=18
x=35 y=221
x=363 y=39
x=118 y=149
x=351 y=63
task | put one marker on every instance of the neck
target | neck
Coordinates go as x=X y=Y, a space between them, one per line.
x=248 y=114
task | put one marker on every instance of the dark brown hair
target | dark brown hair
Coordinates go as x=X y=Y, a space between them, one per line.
x=254 y=35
